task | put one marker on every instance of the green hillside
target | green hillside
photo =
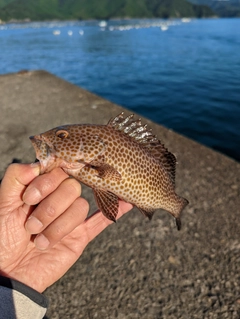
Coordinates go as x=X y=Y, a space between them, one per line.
x=34 y=10
x=98 y=9
x=230 y=8
x=177 y=8
x=3 y=3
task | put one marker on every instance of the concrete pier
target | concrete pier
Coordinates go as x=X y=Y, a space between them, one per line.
x=136 y=268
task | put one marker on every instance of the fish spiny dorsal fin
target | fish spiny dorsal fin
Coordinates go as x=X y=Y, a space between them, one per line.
x=144 y=137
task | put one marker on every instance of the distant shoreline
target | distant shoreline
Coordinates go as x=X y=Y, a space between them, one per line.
x=25 y=21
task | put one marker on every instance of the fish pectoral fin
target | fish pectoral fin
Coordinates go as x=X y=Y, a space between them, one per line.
x=107 y=202
x=106 y=171
x=147 y=212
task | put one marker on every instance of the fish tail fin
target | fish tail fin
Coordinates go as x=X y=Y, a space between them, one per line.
x=177 y=208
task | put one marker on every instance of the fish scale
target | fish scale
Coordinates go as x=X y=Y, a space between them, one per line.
x=120 y=160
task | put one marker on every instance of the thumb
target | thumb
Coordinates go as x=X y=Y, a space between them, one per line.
x=14 y=182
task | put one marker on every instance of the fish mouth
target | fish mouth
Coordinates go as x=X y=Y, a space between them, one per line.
x=43 y=152
x=47 y=157
x=40 y=145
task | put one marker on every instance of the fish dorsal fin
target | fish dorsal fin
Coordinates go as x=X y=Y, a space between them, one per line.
x=144 y=137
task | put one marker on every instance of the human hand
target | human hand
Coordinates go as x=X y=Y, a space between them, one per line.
x=43 y=225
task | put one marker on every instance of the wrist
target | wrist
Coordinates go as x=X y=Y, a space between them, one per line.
x=31 y=293
x=31 y=283
x=26 y=291
x=20 y=301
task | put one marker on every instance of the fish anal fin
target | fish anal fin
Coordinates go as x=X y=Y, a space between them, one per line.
x=175 y=211
x=107 y=202
x=147 y=212
x=178 y=223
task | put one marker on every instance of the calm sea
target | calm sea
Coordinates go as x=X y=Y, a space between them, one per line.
x=183 y=74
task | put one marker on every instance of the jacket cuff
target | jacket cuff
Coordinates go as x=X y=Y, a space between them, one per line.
x=18 y=301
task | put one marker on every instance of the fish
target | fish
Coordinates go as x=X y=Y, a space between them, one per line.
x=120 y=160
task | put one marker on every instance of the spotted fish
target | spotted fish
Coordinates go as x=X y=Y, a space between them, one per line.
x=122 y=159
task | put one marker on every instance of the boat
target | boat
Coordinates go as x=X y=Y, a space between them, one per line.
x=102 y=24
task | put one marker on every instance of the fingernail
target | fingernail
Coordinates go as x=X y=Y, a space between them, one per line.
x=32 y=196
x=33 y=225
x=36 y=168
x=41 y=242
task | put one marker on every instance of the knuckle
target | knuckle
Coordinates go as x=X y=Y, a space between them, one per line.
x=73 y=186
x=50 y=211
x=50 y=181
x=81 y=206
x=85 y=205
x=13 y=170
x=46 y=186
x=59 y=230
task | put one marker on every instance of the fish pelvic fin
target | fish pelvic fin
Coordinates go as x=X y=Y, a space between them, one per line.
x=107 y=202
x=147 y=212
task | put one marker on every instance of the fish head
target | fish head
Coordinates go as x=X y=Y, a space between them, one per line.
x=58 y=147
x=70 y=147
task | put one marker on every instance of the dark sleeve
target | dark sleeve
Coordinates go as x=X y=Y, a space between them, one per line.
x=18 y=301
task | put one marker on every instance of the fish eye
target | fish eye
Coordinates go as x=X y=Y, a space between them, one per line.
x=62 y=134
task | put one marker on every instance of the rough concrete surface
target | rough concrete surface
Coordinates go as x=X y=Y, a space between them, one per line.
x=137 y=268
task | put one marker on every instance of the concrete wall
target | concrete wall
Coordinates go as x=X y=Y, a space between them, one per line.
x=137 y=268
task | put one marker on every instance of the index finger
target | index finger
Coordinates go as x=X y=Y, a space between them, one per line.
x=43 y=185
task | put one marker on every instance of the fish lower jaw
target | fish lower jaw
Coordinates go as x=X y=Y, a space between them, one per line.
x=46 y=165
x=52 y=162
x=49 y=163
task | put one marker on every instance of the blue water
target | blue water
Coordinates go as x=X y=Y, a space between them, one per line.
x=183 y=75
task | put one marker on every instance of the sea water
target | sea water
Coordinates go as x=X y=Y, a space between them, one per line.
x=183 y=74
